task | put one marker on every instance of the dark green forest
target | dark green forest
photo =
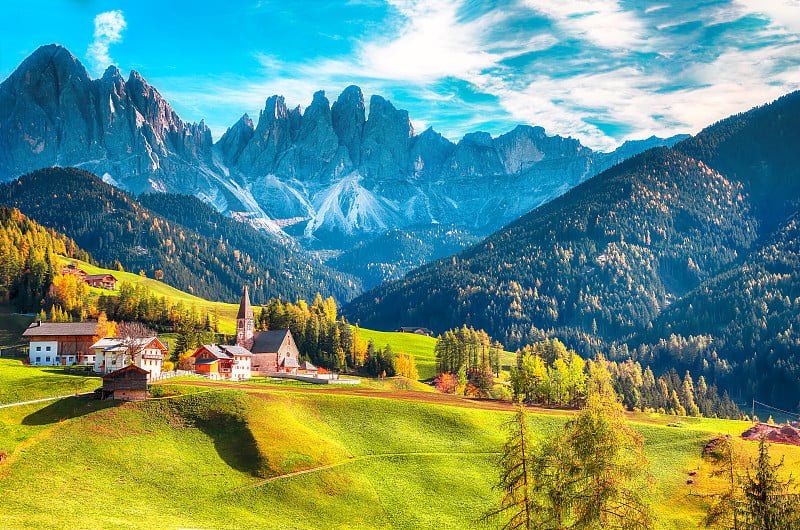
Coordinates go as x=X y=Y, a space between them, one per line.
x=192 y=247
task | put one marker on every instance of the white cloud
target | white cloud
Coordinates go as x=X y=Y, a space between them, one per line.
x=108 y=28
x=783 y=13
x=602 y=22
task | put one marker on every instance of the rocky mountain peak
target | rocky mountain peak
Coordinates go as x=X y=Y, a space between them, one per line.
x=348 y=114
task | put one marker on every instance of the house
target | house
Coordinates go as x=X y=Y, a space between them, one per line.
x=59 y=343
x=112 y=354
x=80 y=273
x=101 y=281
x=307 y=368
x=225 y=362
x=128 y=383
x=415 y=330
x=273 y=351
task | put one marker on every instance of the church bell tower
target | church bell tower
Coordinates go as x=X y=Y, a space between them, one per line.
x=245 y=323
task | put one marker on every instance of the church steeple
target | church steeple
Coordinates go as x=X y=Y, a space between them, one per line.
x=245 y=323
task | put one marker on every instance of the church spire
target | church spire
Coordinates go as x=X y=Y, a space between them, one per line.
x=245 y=323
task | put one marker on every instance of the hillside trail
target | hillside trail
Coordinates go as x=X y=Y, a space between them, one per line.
x=44 y=399
x=353 y=459
x=403 y=395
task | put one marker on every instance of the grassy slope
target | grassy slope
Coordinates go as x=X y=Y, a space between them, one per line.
x=227 y=312
x=11 y=327
x=418 y=345
x=175 y=463
x=22 y=383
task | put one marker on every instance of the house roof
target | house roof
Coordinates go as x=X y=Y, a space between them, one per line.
x=52 y=329
x=305 y=365
x=413 y=329
x=127 y=368
x=224 y=351
x=91 y=277
x=117 y=344
x=245 y=309
x=206 y=361
x=289 y=362
x=269 y=341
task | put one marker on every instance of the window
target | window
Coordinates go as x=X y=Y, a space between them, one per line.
x=38 y=348
x=47 y=359
x=47 y=348
x=38 y=359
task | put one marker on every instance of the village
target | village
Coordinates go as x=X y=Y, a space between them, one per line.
x=134 y=356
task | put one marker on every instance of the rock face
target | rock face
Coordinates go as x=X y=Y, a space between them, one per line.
x=330 y=174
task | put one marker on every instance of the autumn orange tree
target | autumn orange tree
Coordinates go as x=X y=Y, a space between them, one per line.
x=104 y=327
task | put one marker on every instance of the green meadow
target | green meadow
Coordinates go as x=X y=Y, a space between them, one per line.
x=24 y=383
x=229 y=458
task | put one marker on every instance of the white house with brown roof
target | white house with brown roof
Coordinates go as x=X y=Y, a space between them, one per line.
x=59 y=343
x=113 y=353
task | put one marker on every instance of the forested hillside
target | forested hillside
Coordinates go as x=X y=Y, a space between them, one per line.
x=391 y=255
x=603 y=259
x=741 y=327
x=28 y=259
x=116 y=228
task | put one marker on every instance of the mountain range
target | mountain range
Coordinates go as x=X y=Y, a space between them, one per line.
x=331 y=175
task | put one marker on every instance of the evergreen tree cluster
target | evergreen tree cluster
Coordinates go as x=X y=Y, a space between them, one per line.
x=548 y=373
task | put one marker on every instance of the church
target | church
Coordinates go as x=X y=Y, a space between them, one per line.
x=273 y=351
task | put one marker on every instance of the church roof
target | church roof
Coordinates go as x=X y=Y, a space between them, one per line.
x=245 y=309
x=268 y=341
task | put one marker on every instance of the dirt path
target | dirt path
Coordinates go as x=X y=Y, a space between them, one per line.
x=403 y=395
x=352 y=459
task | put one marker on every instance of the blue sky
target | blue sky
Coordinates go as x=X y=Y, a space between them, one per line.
x=603 y=71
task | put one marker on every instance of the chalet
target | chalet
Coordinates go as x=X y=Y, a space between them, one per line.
x=273 y=351
x=415 y=330
x=113 y=353
x=101 y=281
x=60 y=343
x=128 y=383
x=225 y=362
x=80 y=273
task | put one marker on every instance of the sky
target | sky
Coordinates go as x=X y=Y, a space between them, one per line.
x=602 y=71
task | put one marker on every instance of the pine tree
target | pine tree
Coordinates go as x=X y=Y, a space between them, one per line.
x=767 y=503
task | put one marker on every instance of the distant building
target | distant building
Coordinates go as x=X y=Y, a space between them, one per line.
x=60 y=343
x=226 y=362
x=128 y=383
x=415 y=330
x=273 y=351
x=307 y=368
x=101 y=281
x=112 y=354
x=80 y=273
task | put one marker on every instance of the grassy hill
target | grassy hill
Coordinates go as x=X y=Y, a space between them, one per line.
x=205 y=460
x=23 y=383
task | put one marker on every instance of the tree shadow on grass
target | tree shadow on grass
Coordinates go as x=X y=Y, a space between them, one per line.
x=233 y=440
x=67 y=408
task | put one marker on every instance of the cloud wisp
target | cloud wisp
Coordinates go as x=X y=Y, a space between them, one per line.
x=108 y=28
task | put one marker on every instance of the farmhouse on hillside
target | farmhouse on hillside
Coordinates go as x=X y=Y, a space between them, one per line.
x=273 y=351
x=223 y=362
x=415 y=330
x=101 y=281
x=114 y=353
x=60 y=343
x=128 y=383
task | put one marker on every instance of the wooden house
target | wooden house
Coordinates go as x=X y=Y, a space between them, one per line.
x=415 y=330
x=112 y=353
x=101 y=281
x=129 y=384
x=307 y=368
x=59 y=343
x=222 y=361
